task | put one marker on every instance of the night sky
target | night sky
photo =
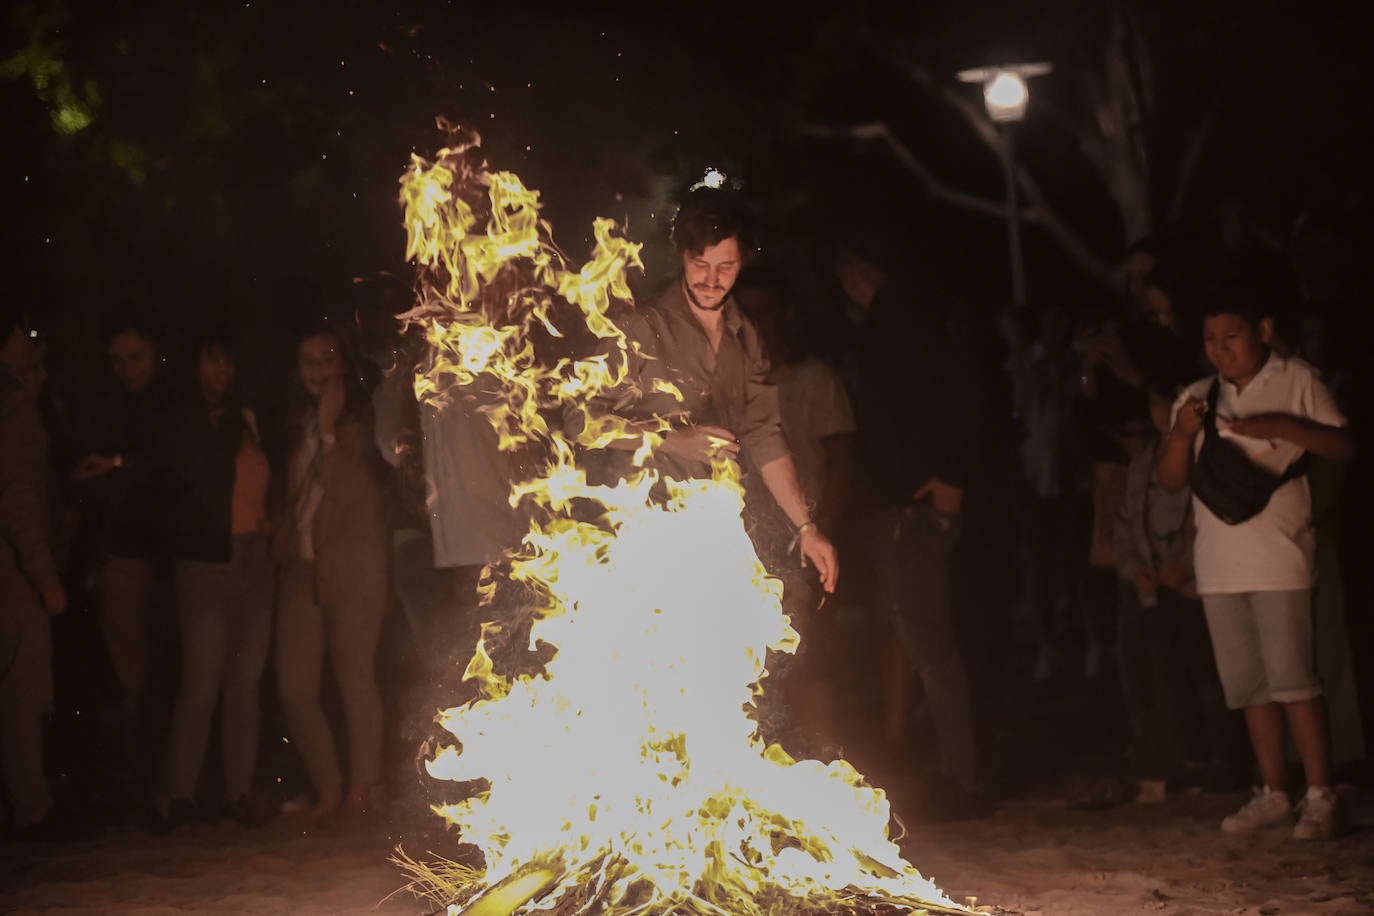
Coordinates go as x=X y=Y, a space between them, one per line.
x=240 y=160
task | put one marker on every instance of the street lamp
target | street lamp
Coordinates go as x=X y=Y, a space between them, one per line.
x=1005 y=95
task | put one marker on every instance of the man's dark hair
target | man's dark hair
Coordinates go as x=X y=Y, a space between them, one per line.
x=215 y=340
x=709 y=216
x=124 y=320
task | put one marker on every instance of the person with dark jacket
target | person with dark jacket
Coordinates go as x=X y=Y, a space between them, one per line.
x=30 y=585
x=920 y=412
x=216 y=479
x=115 y=482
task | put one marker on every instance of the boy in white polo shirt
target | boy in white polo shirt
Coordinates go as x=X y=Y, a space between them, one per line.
x=1255 y=576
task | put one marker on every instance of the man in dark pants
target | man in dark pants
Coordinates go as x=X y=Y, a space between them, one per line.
x=920 y=408
x=116 y=482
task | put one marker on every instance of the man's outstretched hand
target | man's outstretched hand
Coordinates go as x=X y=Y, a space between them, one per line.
x=700 y=443
x=817 y=551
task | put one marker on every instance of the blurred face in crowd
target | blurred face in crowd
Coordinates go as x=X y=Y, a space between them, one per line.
x=1235 y=346
x=859 y=279
x=1159 y=307
x=320 y=363
x=709 y=274
x=22 y=357
x=215 y=370
x=133 y=358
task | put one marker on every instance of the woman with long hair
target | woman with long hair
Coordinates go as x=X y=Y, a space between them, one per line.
x=334 y=590
x=216 y=477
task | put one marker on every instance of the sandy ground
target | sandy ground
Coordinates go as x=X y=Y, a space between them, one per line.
x=1029 y=858
x=1040 y=858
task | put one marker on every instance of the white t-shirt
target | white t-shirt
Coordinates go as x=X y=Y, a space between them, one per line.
x=1275 y=550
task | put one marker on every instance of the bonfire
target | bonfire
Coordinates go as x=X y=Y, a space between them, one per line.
x=622 y=772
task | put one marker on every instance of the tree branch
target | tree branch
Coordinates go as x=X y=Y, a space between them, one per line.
x=1038 y=210
x=1035 y=213
x=1192 y=156
x=935 y=187
x=1091 y=145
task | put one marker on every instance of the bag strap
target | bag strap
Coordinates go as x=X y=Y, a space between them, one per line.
x=1295 y=470
x=1209 y=420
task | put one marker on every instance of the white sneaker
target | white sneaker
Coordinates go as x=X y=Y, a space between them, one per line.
x=1318 y=821
x=1268 y=808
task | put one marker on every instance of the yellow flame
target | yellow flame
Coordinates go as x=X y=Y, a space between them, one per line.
x=628 y=776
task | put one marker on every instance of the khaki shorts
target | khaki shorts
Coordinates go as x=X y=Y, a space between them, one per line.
x=1263 y=646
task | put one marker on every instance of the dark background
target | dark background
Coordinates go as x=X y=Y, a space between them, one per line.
x=240 y=159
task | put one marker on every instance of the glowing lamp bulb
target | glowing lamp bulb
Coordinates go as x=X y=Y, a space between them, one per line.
x=1006 y=96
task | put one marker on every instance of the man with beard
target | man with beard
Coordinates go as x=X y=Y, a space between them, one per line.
x=694 y=340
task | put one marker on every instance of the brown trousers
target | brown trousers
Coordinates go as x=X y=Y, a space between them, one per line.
x=339 y=612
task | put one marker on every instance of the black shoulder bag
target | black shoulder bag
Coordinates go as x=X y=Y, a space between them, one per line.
x=1224 y=478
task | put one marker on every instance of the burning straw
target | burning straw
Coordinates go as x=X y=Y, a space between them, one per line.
x=626 y=776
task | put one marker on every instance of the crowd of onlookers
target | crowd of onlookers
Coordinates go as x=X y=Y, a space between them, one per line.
x=216 y=550
x=200 y=560
x=1225 y=615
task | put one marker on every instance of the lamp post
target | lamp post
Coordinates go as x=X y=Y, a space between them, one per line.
x=1005 y=95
